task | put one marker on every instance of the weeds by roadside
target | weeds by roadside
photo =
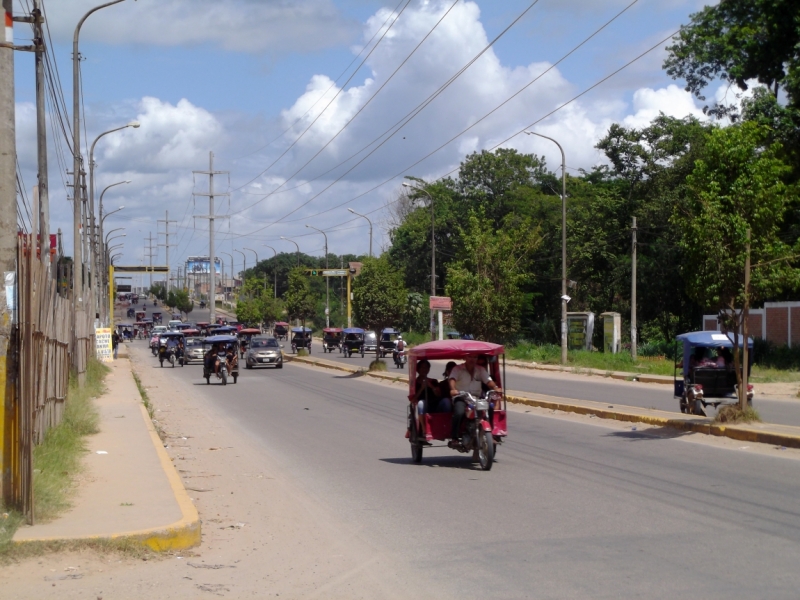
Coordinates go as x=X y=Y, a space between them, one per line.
x=149 y=407
x=57 y=461
x=733 y=414
x=377 y=365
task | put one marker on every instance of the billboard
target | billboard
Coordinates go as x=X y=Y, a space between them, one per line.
x=199 y=265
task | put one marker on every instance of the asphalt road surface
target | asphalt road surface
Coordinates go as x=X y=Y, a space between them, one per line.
x=611 y=392
x=573 y=507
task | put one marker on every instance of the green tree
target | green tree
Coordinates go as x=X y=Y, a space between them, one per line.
x=299 y=300
x=379 y=296
x=736 y=188
x=159 y=291
x=182 y=302
x=417 y=314
x=485 y=281
x=738 y=41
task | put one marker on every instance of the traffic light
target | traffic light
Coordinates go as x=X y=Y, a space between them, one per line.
x=314 y=272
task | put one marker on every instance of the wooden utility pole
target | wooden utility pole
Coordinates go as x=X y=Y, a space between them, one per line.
x=8 y=248
x=634 y=333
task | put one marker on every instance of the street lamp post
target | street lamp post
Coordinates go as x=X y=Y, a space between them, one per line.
x=370 y=228
x=78 y=259
x=104 y=277
x=274 y=268
x=327 y=279
x=231 y=274
x=244 y=264
x=296 y=245
x=433 y=252
x=96 y=250
x=564 y=297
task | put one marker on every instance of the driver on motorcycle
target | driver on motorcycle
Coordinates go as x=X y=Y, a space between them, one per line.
x=467 y=378
x=399 y=346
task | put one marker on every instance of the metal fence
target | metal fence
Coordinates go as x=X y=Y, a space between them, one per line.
x=48 y=348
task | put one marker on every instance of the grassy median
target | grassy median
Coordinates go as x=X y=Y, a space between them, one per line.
x=57 y=461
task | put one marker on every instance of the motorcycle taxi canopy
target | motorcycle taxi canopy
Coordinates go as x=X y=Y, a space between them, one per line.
x=220 y=339
x=250 y=331
x=301 y=330
x=281 y=324
x=708 y=339
x=356 y=330
x=332 y=330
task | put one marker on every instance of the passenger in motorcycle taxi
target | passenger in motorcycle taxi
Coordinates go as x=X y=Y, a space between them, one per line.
x=426 y=389
x=467 y=377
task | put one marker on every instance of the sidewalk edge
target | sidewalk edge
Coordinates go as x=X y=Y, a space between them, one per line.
x=696 y=425
x=180 y=535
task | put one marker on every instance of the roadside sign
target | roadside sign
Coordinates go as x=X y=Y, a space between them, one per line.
x=334 y=273
x=441 y=303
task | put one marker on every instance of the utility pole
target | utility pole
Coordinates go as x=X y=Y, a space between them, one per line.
x=41 y=135
x=633 y=290
x=211 y=218
x=166 y=243
x=8 y=246
x=150 y=250
x=745 y=329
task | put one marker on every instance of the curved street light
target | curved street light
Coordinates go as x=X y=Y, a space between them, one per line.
x=231 y=273
x=134 y=124
x=78 y=258
x=564 y=296
x=370 y=227
x=274 y=268
x=296 y=245
x=112 y=231
x=327 y=285
x=433 y=251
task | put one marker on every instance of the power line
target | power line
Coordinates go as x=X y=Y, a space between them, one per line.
x=329 y=103
x=400 y=173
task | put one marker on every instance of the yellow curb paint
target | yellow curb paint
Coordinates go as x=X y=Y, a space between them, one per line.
x=184 y=533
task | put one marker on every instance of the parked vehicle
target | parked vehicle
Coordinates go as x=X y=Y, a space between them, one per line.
x=331 y=339
x=706 y=367
x=263 y=351
x=224 y=348
x=281 y=330
x=353 y=341
x=484 y=425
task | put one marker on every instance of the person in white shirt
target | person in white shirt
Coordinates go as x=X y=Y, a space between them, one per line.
x=467 y=378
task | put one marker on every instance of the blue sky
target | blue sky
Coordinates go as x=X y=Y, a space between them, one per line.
x=231 y=76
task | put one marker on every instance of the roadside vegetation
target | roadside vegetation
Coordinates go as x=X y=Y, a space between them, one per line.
x=57 y=461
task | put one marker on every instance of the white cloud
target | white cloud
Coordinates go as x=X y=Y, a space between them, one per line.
x=672 y=101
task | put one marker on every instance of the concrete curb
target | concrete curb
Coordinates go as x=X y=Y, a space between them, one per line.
x=756 y=434
x=621 y=375
x=180 y=535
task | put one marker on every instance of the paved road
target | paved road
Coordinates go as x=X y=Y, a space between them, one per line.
x=583 y=388
x=570 y=510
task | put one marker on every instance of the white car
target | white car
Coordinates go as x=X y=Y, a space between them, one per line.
x=174 y=324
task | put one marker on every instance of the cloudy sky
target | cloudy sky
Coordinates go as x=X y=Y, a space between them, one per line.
x=314 y=106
